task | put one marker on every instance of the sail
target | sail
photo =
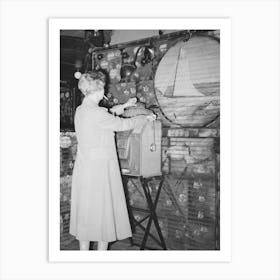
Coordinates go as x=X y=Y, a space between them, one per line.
x=175 y=79
x=183 y=85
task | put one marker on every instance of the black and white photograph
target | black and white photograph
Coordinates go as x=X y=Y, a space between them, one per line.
x=139 y=139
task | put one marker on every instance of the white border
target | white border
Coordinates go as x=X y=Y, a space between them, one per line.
x=55 y=255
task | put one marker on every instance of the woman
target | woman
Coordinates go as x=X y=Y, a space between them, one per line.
x=98 y=205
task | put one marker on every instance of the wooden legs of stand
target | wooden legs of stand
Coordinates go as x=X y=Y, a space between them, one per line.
x=153 y=216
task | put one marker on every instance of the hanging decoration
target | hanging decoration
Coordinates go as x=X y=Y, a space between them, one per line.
x=78 y=66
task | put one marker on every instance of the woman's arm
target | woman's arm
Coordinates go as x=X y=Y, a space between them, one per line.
x=119 y=109
x=106 y=120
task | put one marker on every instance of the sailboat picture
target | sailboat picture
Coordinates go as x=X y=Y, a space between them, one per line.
x=187 y=82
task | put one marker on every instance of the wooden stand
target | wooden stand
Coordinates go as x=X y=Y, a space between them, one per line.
x=151 y=212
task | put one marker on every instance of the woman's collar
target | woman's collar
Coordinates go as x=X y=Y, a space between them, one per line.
x=89 y=101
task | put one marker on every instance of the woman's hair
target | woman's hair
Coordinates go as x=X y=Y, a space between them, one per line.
x=91 y=81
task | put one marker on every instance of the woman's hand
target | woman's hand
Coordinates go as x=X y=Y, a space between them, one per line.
x=131 y=102
x=119 y=109
x=152 y=117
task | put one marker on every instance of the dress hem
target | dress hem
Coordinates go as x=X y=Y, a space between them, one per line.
x=98 y=240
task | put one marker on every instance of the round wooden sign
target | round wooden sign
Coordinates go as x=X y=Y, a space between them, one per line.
x=187 y=82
